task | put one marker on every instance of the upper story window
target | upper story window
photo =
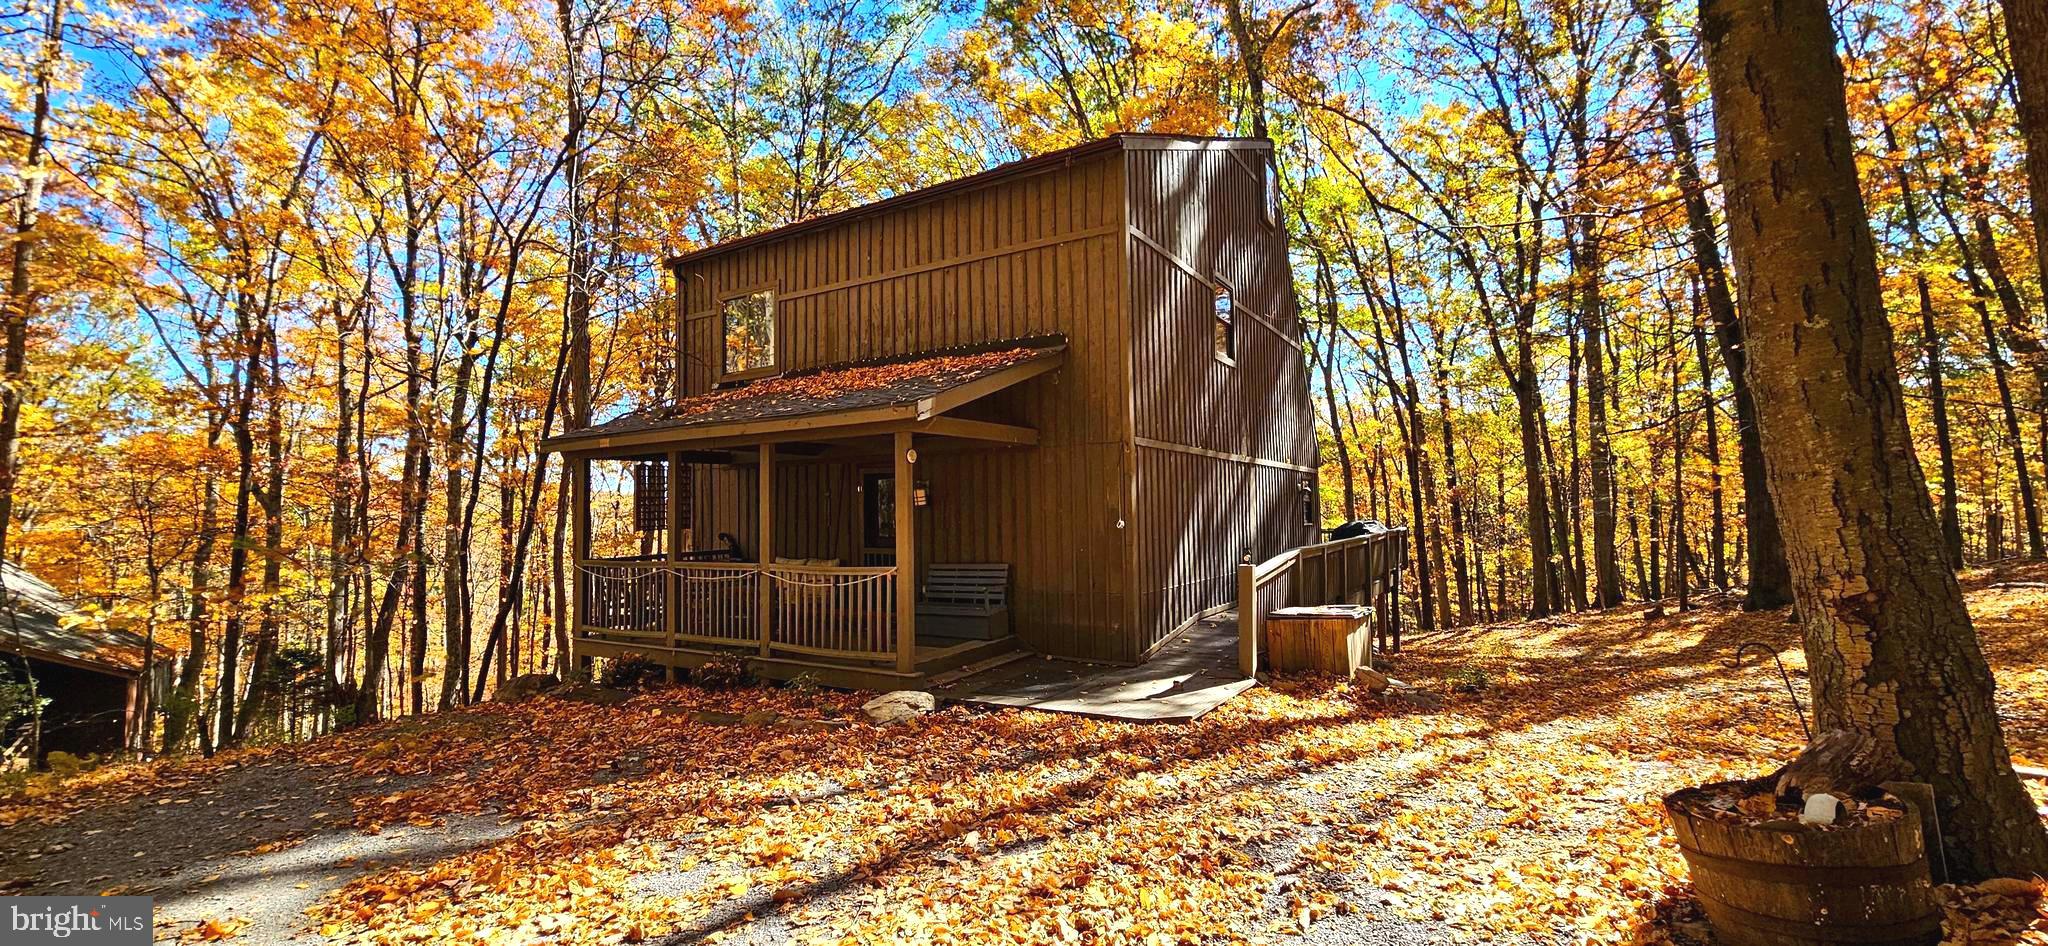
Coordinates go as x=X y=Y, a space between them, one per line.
x=1225 y=326
x=749 y=324
x=1272 y=175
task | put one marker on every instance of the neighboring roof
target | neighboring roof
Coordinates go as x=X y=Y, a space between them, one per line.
x=35 y=628
x=906 y=387
x=1024 y=166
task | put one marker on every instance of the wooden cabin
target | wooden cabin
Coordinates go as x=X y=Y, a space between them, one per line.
x=97 y=679
x=1051 y=406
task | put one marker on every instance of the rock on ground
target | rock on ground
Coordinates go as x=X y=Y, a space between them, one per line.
x=899 y=706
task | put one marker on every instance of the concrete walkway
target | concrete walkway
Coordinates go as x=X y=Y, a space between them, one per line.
x=1190 y=676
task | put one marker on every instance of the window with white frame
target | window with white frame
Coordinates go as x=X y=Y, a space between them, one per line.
x=1272 y=176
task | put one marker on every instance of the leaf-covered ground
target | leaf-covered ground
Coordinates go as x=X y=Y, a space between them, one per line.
x=1514 y=799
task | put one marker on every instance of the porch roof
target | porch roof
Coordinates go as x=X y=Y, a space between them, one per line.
x=836 y=400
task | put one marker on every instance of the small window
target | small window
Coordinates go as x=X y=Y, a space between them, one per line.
x=749 y=333
x=878 y=510
x=1272 y=176
x=1226 y=326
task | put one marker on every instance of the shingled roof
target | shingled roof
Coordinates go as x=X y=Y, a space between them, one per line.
x=36 y=629
x=908 y=382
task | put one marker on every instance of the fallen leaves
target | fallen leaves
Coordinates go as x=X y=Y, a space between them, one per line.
x=818 y=389
x=1527 y=809
x=215 y=929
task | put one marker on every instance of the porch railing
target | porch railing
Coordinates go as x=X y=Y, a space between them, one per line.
x=625 y=598
x=1363 y=569
x=821 y=611
x=829 y=611
x=716 y=602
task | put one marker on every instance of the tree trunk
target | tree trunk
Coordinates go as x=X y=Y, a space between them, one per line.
x=1607 y=590
x=1573 y=493
x=1937 y=384
x=507 y=654
x=263 y=682
x=1681 y=545
x=412 y=505
x=1252 y=57
x=1944 y=441
x=2026 y=33
x=377 y=643
x=184 y=708
x=1967 y=253
x=1770 y=578
x=455 y=547
x=1326 y=303
x=1635 y=541
x=510 y=591
x=1889 y=643
x=1571 y=582
x=248 y=335
x=1459 y=563
x=1717 y=533
x=576 y=292
x=1546 y=594
x=1421 y=486
x=2019 y=330
x=1655 y=590
x=2029 y=505
x=340 y=536
x=15 y=314
x=560 y=578
x=1390 y=316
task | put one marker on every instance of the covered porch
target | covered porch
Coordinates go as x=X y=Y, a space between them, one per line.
x=780 y=523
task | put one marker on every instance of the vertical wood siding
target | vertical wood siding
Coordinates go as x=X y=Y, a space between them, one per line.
x=1114 y=540
x=1025 y=256
x=1202 y=209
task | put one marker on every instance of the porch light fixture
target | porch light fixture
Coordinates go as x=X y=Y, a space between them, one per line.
x=920 y=493
x=910 y=455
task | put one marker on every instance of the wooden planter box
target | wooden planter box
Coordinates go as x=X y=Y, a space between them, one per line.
x=1333 y=638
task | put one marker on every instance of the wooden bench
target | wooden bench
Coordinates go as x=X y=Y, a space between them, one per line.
x=965 y=602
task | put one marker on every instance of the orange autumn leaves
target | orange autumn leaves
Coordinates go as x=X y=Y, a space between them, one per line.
x=822 y=386
x=1525 y=807
x=1009 y=827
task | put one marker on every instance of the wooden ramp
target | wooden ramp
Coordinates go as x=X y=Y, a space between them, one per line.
x=1190 y=676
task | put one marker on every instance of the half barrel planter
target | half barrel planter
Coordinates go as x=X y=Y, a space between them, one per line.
x=1794 y=885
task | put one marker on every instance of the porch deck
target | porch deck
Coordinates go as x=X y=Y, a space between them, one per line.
x=1193 y=674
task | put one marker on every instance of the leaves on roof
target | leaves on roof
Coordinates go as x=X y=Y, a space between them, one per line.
x=897 y=381
x=937 y=372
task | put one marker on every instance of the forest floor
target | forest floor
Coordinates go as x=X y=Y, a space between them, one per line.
x=1514 y=798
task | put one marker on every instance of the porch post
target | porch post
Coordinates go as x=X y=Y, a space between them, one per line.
x=1248 y=619
x=765 y=595
x=672 y=583
x=579 y=552
x=906 y=559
